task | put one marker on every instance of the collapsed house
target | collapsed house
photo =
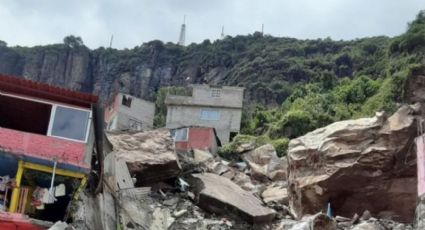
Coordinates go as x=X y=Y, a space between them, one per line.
x=125 y=112
x=46 y=145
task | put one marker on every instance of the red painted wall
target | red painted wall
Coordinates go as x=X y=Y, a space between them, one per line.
x=199 y=138
x=43 y=147
x=15 y=221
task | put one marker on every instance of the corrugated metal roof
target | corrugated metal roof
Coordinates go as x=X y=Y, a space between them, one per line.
x=21 y=86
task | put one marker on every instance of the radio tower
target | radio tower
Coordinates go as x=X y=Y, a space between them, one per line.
x=222 y=32
x=182 y=37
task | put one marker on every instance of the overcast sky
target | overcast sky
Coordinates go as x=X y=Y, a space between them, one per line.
x=132 y=22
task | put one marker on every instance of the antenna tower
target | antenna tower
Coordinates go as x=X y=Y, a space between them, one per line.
x=222 y=32
x=182 y=37
x=110 y=41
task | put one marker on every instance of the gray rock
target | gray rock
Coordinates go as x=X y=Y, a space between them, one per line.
x=220 y=195
x=357 y=165
x=149 y=155
x=265 y=164
x=368 y=226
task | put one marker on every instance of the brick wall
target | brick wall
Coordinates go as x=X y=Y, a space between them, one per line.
x=43 y=147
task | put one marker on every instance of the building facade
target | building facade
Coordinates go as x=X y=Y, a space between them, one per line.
x=216 y=107
x=46 y=141
x=126 y=112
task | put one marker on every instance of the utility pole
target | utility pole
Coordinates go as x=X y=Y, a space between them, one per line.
x=182 y=37
x=262 y=29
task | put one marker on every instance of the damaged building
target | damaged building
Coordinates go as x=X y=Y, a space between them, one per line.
x=46 y=146
x=216 y=107
x=125 y=112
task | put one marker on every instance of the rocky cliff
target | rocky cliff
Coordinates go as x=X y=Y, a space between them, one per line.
x=268 y=67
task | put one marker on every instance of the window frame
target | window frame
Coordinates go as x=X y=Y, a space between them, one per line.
x=52 y=120
x=54 y=105
x=187 y=135
x=208 y=111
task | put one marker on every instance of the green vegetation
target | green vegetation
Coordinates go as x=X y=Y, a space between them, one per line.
x=364 y=76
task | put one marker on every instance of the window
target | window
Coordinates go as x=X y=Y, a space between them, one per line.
x=210 y=115
x=180 y=134
x=126 y=101
x=135 y=125
x=70 y=123
x=215 y=93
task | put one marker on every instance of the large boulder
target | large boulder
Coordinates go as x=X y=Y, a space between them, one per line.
x=150 y=156
x=357 y=165
x=265 y=164
x=220 y=195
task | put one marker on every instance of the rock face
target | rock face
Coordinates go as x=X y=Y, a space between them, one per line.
x=220 y=195
x=140 y=71
x=265 y=164
x=149 y=155
x=357 y=165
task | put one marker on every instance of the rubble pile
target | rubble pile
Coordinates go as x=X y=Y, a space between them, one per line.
x=199 y=190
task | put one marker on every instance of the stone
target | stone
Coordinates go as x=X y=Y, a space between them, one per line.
x=150 y=156
x=244 y=147
x=265 y=164
x=200 y=156
x=367 y=226
x=179 y=213
x=366 y=215
x=161 y=219
x=316 y=222
x=420 y=212
x=367 y=163
x=355 y=219
x=220 y=195
x=342 y=219
x=275 y=194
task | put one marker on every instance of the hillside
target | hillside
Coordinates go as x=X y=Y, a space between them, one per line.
x=292 y=86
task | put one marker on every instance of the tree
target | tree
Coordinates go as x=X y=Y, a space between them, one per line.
x=3 y=43
x=73 y=41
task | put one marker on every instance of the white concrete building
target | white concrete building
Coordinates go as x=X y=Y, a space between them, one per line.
x=216 y=107
x=126 y=112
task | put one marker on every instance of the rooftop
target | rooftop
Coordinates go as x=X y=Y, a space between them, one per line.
x=21 y=86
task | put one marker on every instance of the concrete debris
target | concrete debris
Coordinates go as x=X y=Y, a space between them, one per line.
x=357 y=165
x=220 y=195
x=265 y=164
x=150 y=156
x=60 y=226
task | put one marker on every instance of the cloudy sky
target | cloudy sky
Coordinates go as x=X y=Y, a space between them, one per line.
x=132 y=22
